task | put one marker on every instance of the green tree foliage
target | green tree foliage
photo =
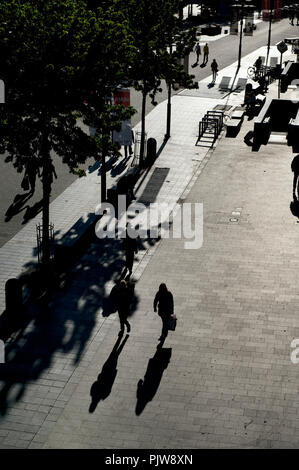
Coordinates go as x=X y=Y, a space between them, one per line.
x=154 y=26
x=60 y=62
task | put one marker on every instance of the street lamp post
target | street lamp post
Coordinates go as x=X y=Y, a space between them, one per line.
x=241 y=35
x=241 y=7
x=269 y=32
x=167 y=135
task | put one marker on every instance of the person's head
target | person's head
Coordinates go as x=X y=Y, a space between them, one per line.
x=162 y=287
x=123 y=284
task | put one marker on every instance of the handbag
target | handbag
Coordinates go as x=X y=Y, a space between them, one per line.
x=25 y=183
x=171 y=325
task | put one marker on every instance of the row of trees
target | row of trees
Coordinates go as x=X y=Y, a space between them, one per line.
x=61 y=61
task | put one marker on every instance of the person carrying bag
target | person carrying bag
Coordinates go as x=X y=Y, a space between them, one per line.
x=164 y=301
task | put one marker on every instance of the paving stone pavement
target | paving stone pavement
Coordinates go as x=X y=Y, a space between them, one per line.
x=224 y=378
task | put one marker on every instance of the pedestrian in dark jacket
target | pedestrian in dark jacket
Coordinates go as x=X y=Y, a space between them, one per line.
x=123 y=302
x=130 y=247
x=198 y=51
x=164 y=301
x=214 y=67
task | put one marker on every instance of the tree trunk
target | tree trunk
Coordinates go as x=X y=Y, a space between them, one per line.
x=142 y=143
x=46 y=182
x=103 y=176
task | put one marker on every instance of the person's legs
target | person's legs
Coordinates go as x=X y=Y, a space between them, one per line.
x=126 y=151
x=164 y=326
x=123 y=319
x=129 y=260
x=122 y=322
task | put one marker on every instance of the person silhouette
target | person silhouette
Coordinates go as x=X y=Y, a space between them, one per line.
x=295 y=170
x=205 y=53
x=32 y=170
x=130 y=248
x=164 y=301
x=123 y=302
x=214 y=67
x=198 y=51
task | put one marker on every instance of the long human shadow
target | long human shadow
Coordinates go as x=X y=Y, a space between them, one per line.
x=102 y=387
x=18 y=205
x=147 y=388
x=32 y=211
x=64 y=320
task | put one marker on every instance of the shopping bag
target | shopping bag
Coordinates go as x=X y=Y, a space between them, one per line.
x=172 y=323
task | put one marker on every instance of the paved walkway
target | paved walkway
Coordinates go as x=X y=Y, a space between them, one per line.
x=224 y=378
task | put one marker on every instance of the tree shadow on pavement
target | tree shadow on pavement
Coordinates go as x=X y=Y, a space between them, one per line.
x=102 y=387
x=147 y=388
x=59 y=324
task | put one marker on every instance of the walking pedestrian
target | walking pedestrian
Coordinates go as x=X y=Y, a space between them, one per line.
x=130 y=248
x=126 y=147
x=205 y=53
x=31 y=171
x=164 y=301
x=214 y=67
x=198 y=51
x=123 y=302
x=258 y=64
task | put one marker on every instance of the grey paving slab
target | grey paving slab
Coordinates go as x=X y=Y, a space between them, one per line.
x=224 y=378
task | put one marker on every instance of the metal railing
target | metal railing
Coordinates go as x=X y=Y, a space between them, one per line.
x=39 y=237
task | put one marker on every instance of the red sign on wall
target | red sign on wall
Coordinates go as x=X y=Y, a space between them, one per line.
x=276 y=6
x=122 y=97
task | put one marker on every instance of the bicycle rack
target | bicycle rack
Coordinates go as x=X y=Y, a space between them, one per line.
x=211 y=124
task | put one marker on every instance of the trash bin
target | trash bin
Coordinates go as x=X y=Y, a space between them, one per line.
x=151 y=150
